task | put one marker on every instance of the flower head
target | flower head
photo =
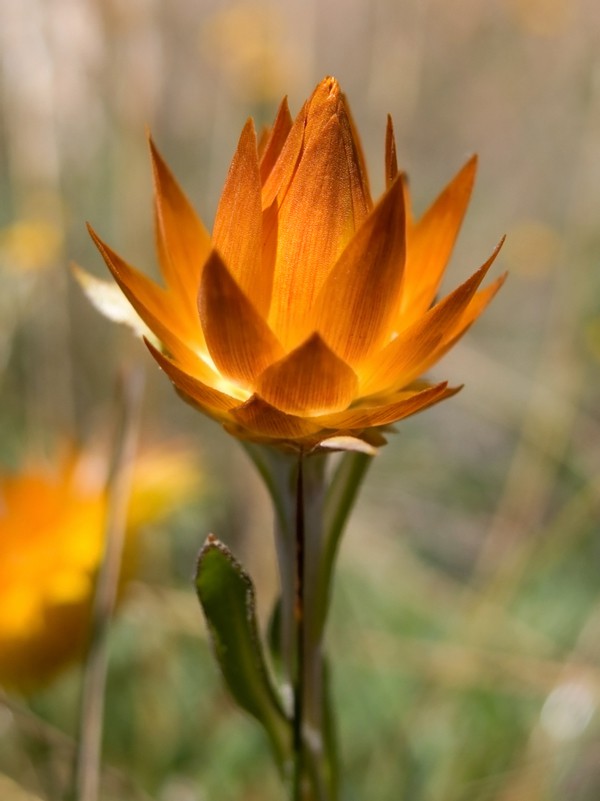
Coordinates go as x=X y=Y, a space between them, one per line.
x=309 y=314
x=52 y=522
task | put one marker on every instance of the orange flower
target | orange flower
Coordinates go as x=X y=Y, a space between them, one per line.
x=51 y=543
x=307 y=317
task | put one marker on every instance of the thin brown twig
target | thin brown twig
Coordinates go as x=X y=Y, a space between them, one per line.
x=88 y=756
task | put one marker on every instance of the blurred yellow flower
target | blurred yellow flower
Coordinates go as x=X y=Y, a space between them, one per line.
x=308 y=315
x=243 y=41
x=30 y=245
x=51 y=543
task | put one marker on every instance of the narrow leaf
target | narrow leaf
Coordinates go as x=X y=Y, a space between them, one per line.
x=227 y=596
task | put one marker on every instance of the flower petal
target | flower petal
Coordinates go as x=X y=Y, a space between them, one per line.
x=280 y=175
x=391 y=160
x=237 y=233
x=403 y=405
x=110 y=301
x=239 y=340
x=346 y=443
x=477 y=306
x=405 y=358
x=210 y=400
x=156 y=307
x=309 y=380
x=354 y=309
x=265 y=420
x=430 y=243
x=325 y=202
x=276 y=140
x=360 y=160
x=183 y=243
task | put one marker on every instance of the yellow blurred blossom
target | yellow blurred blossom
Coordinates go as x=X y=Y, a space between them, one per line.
x=30 y=245
x=52 y=522
x=543 y=18
x=244 y=41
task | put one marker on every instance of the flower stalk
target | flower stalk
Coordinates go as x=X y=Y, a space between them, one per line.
x=299 y=541
x=299 y=590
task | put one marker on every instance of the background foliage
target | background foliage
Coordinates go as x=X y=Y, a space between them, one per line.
x=467 y=613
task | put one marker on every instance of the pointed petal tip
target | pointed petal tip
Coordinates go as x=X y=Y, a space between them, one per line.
x=249 y=130
x=155 y=155
x=487 y=264
x=100 y=244
x=470 y=166
x=331 y=84
x=464 y=180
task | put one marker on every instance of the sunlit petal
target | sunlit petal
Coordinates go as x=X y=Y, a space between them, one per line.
x=155 y=306
x=357 y=157
x=476 y=307
x=212 y=401
x=404 y=359
x=238 y=338
x=309 y=380
x=260 y=417
x=183 y=243
x=321 y=209
x=354 y=309
x=276 y=140
x=237 y=233
x=383 y=413
x=430 y=243
x=347 y=443
x=108 y=298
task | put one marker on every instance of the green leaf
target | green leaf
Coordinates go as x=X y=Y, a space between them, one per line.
x=227 y=596
x=339 y=499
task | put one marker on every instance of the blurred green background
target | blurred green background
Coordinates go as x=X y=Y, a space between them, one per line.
x=466 y=622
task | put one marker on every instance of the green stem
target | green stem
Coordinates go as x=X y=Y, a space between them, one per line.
x=309 y=520
x=339 y=500
x=299 y=543
x=298 y=711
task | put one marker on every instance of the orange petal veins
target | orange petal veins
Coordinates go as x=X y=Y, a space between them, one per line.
x=318 y=215
x=430 y=242
x=276 y=140
x=405 y=358
x=183 y=242
x=153 y=304
x=238 y=338
x=358 y=158
x=271 y=423
x=477 y=306
x=210 y=400
x=407 y=403
x=309 y=380
x=354 y=309
x=237 y=233
x=278 y=181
